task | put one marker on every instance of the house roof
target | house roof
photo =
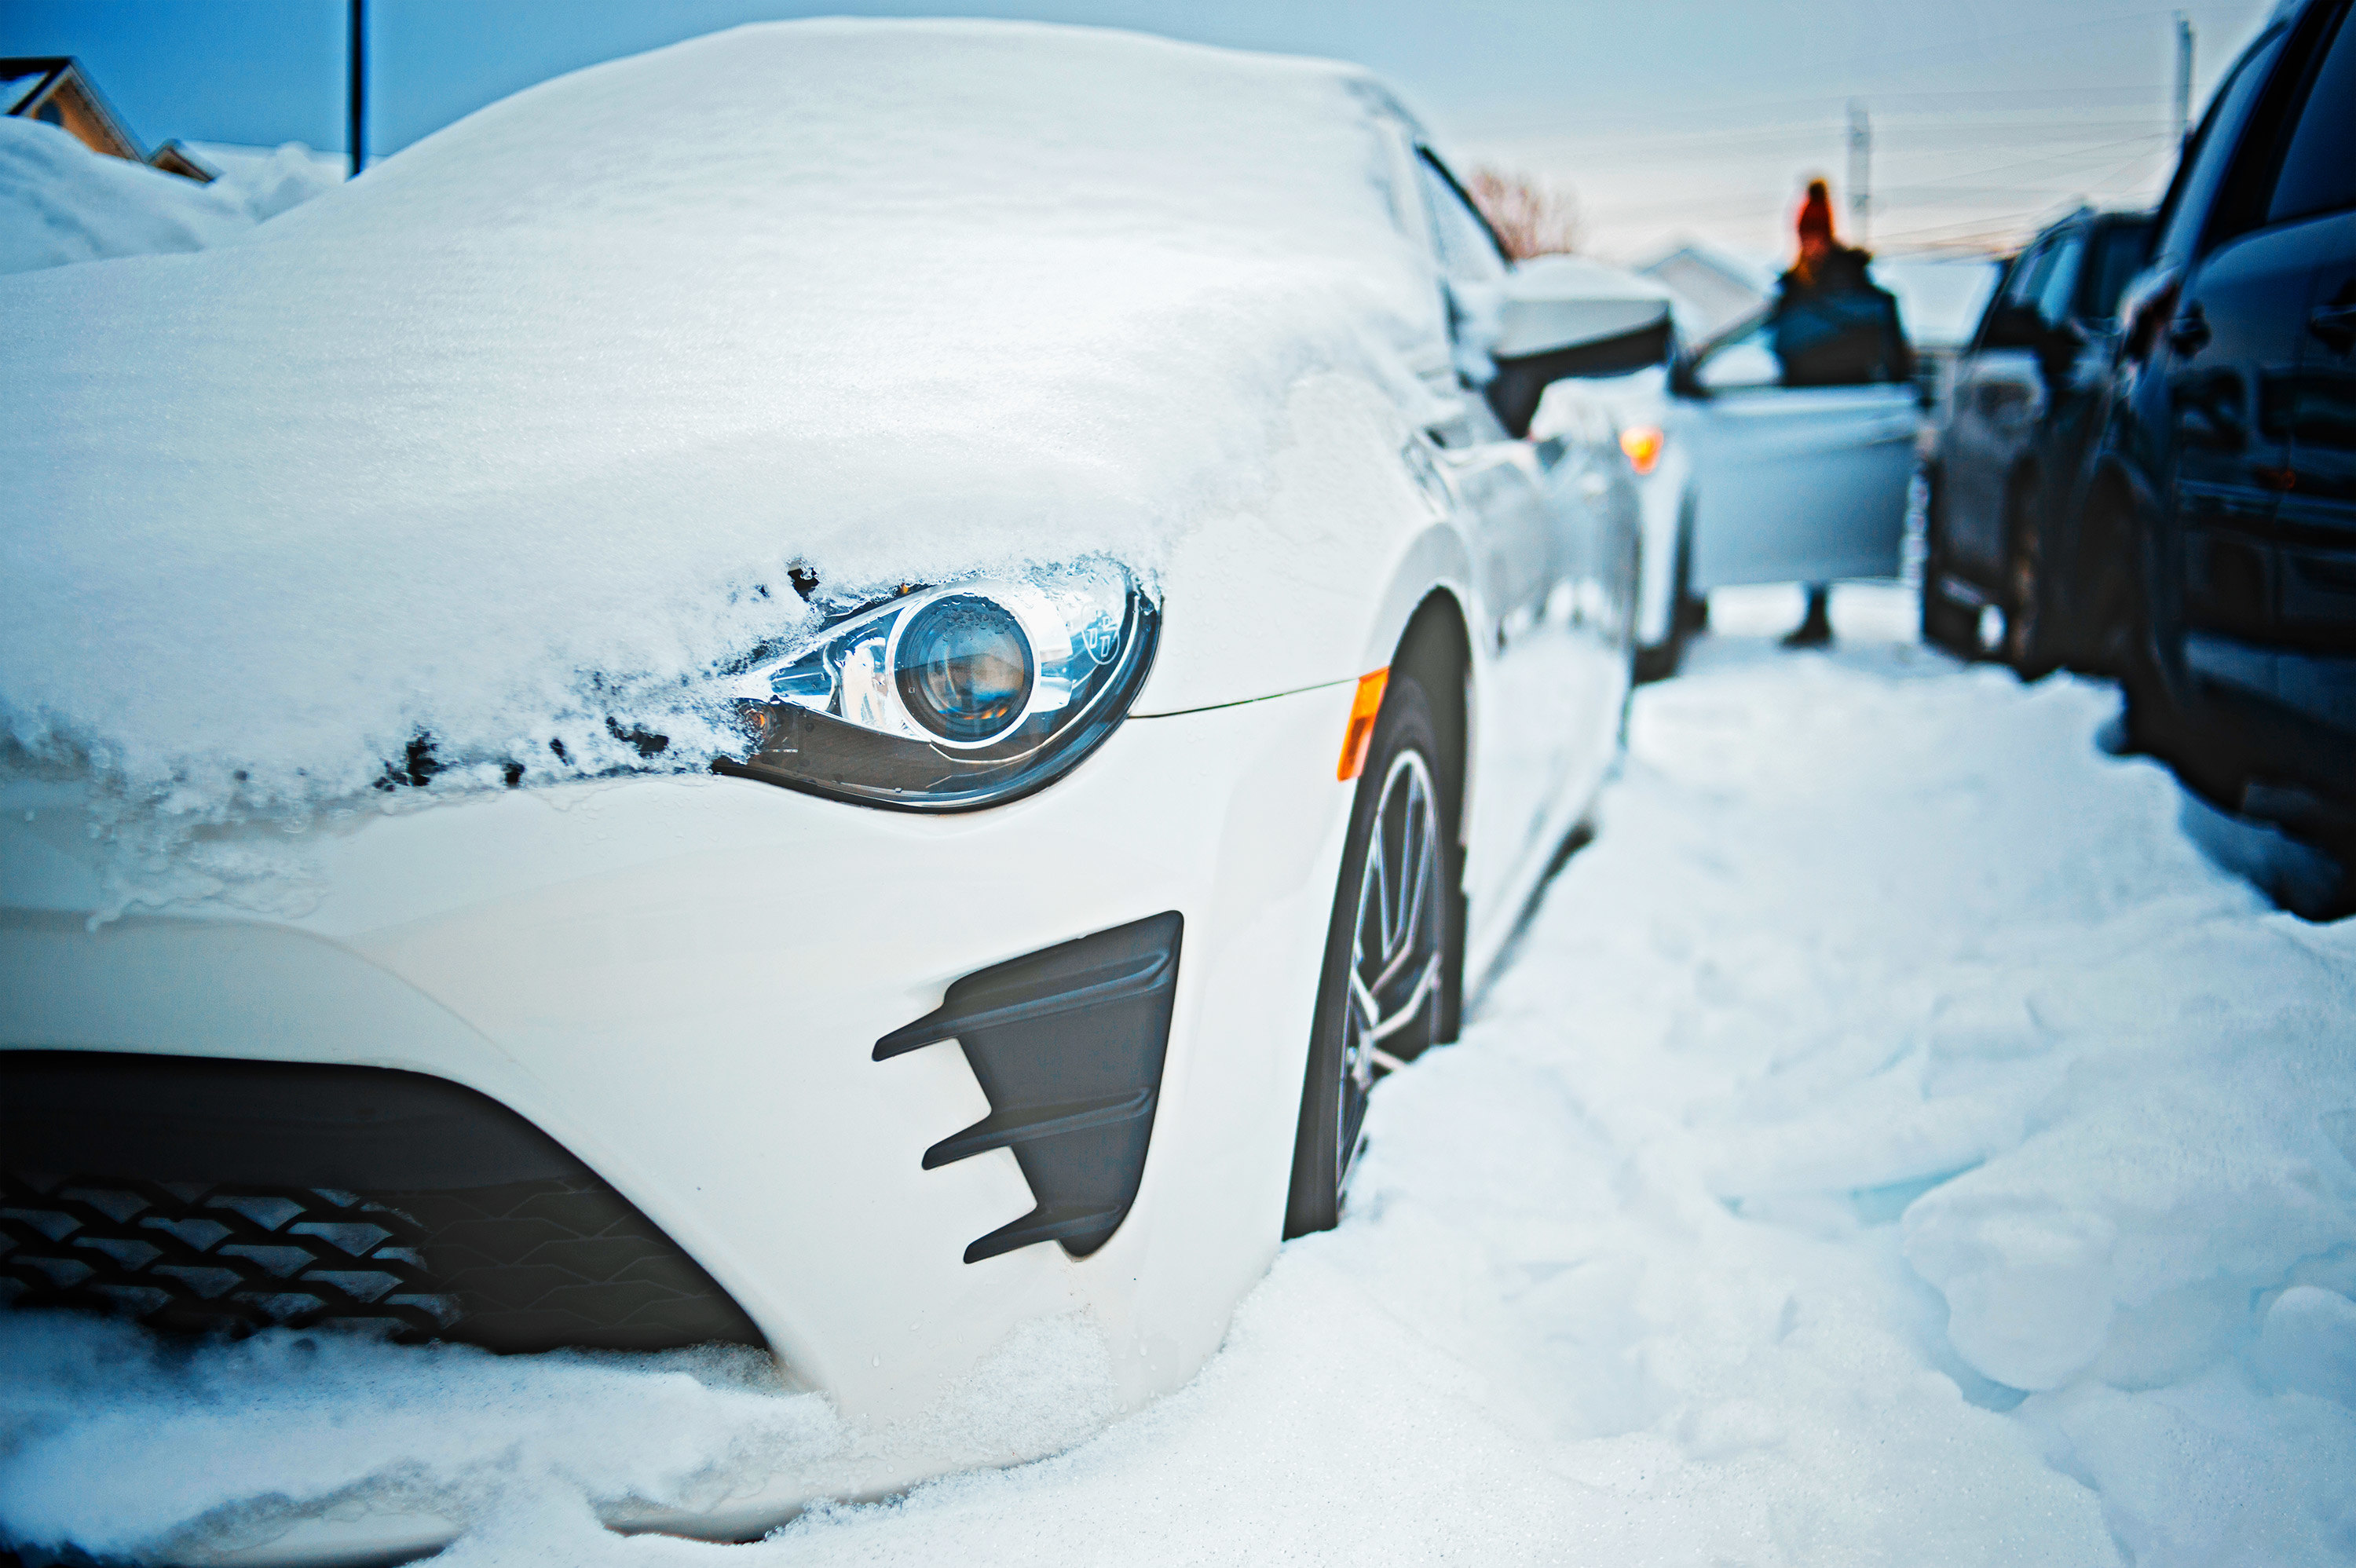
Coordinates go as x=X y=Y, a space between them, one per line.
x=27 y=83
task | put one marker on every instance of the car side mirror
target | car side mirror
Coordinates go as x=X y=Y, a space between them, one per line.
x=1563 y=315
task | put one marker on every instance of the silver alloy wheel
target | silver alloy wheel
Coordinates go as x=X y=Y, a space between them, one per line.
x=1396 y=948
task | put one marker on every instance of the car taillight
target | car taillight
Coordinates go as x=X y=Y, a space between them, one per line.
x=1642 y=443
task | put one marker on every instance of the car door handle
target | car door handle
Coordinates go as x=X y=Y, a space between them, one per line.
x=2188 y=333
x=2335 y=325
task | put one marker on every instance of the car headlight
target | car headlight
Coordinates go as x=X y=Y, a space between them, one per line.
x=949 y=698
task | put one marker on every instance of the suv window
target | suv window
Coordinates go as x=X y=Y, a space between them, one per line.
x=2318 y=166
x=2060 y=284
x=2185 y=214
x=2029 y=275
x=1467 y=250
x=2118 y=253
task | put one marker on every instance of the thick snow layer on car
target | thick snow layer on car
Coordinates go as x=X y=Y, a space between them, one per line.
x=1890 y=1141
x=520 y=432
x=61 y=202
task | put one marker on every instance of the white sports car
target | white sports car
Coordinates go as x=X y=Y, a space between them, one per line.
x=839 y=687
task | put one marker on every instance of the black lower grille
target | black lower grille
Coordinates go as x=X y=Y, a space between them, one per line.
x=551 y=1256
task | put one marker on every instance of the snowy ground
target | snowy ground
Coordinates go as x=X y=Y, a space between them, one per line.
x=1892 y=1142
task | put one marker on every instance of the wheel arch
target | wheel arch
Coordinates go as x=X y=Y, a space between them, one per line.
x=1438 y=647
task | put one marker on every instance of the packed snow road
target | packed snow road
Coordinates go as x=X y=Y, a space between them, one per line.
x=1891 y=1142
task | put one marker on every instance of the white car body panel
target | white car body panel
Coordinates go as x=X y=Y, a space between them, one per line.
x=1798 y=483
x=1664 y=496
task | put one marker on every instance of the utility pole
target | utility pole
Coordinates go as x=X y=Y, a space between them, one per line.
x=1860 y=171
x=358 y=94
x=2183 y=77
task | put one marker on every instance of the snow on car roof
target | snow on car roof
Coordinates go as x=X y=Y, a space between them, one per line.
x=520 y=432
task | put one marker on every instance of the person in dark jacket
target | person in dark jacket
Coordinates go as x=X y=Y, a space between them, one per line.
x=1833 y=326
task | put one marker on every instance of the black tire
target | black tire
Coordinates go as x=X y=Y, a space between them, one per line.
x=1418 y=1001
x=1945 y=624
x=2148 y=708
x=2109 y=619
x=2029 y=614
x=1661 y=661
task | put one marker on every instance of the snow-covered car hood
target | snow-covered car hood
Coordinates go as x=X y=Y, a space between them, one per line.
x=518 y=436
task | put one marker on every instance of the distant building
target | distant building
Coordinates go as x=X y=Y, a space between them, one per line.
x=1722 y=288
x=176 y=157
x=52 y=90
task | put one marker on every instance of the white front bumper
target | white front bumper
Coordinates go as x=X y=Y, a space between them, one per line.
x=681 y=979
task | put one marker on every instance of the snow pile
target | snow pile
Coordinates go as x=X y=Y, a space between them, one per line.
x=100 y=1428
x=1890 y=1142
x=270 y=180
x=120 y=1447
x=520 y=433
x=61 y=202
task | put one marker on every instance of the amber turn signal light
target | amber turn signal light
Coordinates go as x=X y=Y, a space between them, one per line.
x=1361 y=732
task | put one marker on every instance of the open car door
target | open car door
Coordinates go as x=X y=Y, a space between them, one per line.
x=1792 y=484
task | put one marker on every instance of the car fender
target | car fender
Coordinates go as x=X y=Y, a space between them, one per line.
x=1313 y=581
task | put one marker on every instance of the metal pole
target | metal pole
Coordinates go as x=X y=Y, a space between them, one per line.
x=1860 y=171
x=2183 y=77
x=358 y=94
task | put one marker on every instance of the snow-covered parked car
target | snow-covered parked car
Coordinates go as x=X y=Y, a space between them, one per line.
x=839 y=688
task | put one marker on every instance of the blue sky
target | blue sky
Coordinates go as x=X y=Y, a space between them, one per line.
x=1667 y=117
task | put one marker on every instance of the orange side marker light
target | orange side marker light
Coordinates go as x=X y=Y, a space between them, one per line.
x=1361 y=733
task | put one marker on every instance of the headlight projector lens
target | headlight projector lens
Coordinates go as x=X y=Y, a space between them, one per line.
x=964 y=668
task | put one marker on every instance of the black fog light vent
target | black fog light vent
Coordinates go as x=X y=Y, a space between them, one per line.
x=211 y=1197
x=1067 y=1043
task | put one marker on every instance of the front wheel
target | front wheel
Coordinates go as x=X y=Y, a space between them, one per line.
x=1393 y=955
x=2027 y=604
x=1945 y=624
x=1660 y=661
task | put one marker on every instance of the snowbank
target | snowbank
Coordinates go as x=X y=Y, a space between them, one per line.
x=61 y=202
x=521 y=432
x=270 y=179
x=1892 y=1142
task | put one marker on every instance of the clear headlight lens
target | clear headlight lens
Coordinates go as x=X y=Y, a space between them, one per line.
x=954 y=697
x=964 y=667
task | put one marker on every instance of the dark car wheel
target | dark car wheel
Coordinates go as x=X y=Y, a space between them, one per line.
x=1661 y=661
x=2110 y=622
x=1393 y=957
x=1945 y=624
x=2027 y=600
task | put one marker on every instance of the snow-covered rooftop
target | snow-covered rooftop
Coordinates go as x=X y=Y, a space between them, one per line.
x=523 y=429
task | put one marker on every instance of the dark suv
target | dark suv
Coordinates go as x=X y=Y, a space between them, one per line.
x=2006 y=475
x=2229 y=464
